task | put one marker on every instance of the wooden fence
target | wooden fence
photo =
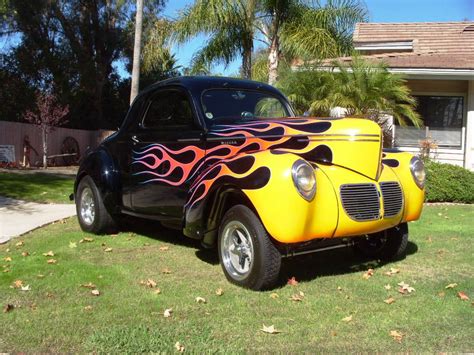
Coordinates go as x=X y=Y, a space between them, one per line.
x=13 y=133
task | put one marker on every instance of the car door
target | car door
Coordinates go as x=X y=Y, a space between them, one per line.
x=167 y=152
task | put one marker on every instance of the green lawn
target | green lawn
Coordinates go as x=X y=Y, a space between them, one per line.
x=58 y=315
x=36 y=187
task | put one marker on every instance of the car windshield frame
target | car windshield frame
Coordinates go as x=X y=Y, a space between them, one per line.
x=237 y=120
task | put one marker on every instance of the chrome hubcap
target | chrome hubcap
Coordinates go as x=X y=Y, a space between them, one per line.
x=87 y=209
x=237 y=250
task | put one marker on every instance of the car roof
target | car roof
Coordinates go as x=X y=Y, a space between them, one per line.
x=197 y=84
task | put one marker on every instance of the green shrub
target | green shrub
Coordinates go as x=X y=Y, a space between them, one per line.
x=448 y=183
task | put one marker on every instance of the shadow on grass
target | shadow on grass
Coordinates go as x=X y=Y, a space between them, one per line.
x=155 y=230
x=30 y=186
x=303 y=268
x=331 y=262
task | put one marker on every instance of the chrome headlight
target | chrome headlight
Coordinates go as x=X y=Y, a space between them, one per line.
x=417 y=169
x=304 y=179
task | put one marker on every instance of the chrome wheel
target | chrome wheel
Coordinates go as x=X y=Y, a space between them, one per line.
x=87 y=206
x=237 y=250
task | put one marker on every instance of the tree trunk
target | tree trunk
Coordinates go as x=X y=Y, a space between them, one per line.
x=136 y=51
x=247 y=65
x=273 y=57
x=44 y=136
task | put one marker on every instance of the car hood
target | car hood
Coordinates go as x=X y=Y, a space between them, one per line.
x=353 y=143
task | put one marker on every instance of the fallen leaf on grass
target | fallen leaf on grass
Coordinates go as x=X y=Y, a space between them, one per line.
x=7 y=259
x=405 y=288
x=167 y=312
x=166 y=271
x=274 y=296
x=430 y=240
x=149 y=283
x=292 y=281
x=20 y=244
x=453 y=285
x=49 y=253
x=179 y=347
x=25 y=253
x=17 y=284
x=396 y=335
x=339 y=288
x=297 y=297
x=89 y=285
x=163 y=248
x=86 y=240
x=157 y=291
x=441 y=294
x=392 y=271
x=387 y=287
x=26 y=288
x=270 y=329
x=72 y=245
x=88 y=308
x=463 y=296
x=347 y=319
x=40 y=276
x=200 y=300
x=368 y=274
x=219 y=292
x=95 y=292
x=108 y=250
x=390 y=300
x=51 y=261
x=8 y=307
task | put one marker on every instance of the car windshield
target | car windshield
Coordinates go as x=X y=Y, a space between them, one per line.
x=231 y=105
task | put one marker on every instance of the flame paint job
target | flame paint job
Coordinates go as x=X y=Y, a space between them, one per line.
x=257 y=156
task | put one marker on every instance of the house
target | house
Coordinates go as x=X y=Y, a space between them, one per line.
x=437 y=59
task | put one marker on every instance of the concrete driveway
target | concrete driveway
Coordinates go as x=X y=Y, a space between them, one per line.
x=18 y=217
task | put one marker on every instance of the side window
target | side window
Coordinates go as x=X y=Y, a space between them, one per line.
x=269 y=107
x=169 y=108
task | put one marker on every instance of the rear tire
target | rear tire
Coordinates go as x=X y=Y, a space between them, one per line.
x=390 y=244
x=246 y=253
x=92 y=215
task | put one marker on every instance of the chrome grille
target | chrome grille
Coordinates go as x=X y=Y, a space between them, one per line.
x=361 y=201
x=392 y=198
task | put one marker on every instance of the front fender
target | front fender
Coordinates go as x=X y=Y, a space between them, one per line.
x=264 y=178
x=413 y=195
x=286 y=215
x=101 y=167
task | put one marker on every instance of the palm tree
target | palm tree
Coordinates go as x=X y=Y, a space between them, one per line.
x=136 y=51
x=363 y=88
x=306 y=29
x=288 y=28
x=229 y=25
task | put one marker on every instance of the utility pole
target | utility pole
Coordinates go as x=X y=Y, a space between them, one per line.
x=136 y=51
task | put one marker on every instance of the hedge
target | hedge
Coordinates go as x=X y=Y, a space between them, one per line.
x=448 y=183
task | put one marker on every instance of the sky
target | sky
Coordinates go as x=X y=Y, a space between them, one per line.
x=379 y=11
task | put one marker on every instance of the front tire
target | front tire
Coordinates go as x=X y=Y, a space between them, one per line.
x=246 y=253
x=92 y=215
x=390 y=244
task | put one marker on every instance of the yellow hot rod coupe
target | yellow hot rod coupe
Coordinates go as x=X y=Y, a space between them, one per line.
x=228 y=163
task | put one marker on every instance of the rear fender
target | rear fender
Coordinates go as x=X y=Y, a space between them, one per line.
x=101 y=167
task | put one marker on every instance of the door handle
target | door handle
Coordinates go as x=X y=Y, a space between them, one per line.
x=135 y=139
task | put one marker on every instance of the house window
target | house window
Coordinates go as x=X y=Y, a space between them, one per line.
x=442 y=117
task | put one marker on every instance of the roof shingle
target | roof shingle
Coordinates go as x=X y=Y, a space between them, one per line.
x=444 y=45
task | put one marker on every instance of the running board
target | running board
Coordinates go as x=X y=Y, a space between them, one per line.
x=291 y=254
